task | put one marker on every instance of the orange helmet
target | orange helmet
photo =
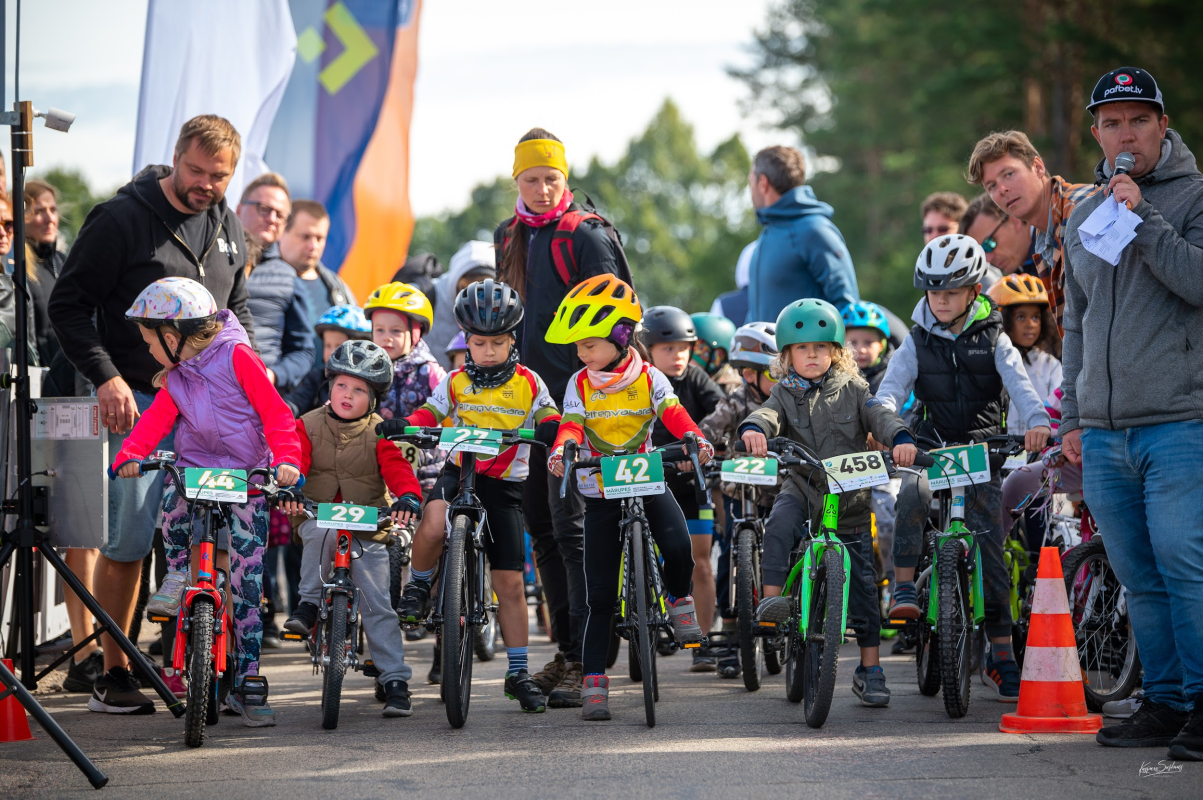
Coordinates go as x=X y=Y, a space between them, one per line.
x=1018 y=290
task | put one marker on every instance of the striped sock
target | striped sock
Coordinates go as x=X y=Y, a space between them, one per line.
x=517 y=658
x=421 y=574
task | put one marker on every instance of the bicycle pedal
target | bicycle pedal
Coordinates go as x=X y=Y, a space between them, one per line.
x=691 y=645
x=157 y=617
x=291 y=636
x=764 y=624
x=370 y=670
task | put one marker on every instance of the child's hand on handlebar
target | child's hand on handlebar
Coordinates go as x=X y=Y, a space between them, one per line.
x=131 y=469
x=756 y=442
x=287 y=475
x=1035 y=439
x=555 y=462
x=293 y=508
x=904 y=455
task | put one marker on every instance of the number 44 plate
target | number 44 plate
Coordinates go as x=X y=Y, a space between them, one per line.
x=631 y=476
x=855 y=471
x=346 y=517
x=748 y=469
x=222 y=485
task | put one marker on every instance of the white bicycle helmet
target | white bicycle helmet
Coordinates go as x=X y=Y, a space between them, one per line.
x=179 y=303
x=754 y=346
x=950 y=262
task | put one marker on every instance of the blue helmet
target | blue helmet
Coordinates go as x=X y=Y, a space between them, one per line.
x=866 y=315
x=347 y=319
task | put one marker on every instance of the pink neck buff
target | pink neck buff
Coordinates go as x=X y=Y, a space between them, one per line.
x=611 y=382
x=542 y=220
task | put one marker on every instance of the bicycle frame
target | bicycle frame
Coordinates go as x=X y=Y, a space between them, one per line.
x=211 y=583
x=468 y=503
x=339 y=585
x=632 y=513
x=806 y=569
x=956 y=529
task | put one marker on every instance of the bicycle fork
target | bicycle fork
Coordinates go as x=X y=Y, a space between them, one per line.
x=957 y=530
x=807 y=570
x=340 y=589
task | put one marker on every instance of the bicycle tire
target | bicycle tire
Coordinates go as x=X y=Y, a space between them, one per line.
x=200 y=671
x=615 y=642
x=954 y=627
x=1091 y=557
x=336 y=666
x=794 y=688
x=927 y=661
x=457 y=628
x=822 y=656
x=747 y=594
x=642 y=628
x=656 y=623
x=396 y=570
x=484 y=639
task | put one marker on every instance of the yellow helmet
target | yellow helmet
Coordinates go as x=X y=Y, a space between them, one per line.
x=1017 y=290
x=404 y=298
x=592 y=308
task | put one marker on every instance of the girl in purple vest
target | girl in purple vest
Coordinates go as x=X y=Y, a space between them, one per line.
x=229 y=415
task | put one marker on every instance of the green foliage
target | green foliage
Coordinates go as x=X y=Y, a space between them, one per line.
x=893 y=94
x=75 y=200
x=683 y=215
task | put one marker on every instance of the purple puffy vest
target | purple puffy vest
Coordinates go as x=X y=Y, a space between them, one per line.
x=217 y=426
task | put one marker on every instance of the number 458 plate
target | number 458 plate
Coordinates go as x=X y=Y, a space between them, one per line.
x=855 y=471
x=346 y=517
x=748 y=469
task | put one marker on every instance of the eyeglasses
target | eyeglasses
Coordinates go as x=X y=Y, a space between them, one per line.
x=989 y=243
x=267 y=212
x=937 y=231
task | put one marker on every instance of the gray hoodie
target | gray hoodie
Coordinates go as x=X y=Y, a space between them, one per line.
x=1142 y=320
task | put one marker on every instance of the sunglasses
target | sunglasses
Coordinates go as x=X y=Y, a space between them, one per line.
x=989 y=243
x=8 y=226
x=937 y=231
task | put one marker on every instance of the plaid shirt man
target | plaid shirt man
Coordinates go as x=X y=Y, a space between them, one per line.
x=1049 y=251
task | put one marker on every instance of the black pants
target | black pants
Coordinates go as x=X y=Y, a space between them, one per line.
x=556 y=529
x=603 y=553
x=783 y=529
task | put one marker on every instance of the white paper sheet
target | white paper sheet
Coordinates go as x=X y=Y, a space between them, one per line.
x=1108 y=230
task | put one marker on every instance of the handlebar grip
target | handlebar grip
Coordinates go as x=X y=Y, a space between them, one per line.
x=569 y=457
x=922 y=459
x=740 y=447
x=526 y=434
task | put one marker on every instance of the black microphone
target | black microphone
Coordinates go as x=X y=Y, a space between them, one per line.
x=1124 y=163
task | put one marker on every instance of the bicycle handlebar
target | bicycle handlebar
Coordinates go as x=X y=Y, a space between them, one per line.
x=165 y=460
x=791 y=452
x=426 y=437
x=686 y=451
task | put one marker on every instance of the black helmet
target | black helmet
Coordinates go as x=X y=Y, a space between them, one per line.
x=667 y=324
x=488 y=308
x=364 y=360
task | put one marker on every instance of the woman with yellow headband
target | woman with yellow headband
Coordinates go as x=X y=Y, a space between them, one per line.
x=550 y=245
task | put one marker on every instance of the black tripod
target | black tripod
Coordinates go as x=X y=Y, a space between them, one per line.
x=30 y=505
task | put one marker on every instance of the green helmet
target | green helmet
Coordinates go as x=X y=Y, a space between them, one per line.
x=715 y=332
x=809 y=320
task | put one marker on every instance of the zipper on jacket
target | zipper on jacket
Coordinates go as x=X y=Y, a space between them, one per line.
x=200 y=262
x=1110 y=328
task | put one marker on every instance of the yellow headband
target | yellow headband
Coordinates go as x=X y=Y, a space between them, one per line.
x=539 y=153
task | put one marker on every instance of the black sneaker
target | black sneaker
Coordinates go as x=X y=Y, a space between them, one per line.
x=271 y=636
x=303 y=619
x=1153 y=725
x=703 y=661
x=414 y=605
x=1188 y=744
x=396 y=699
x=869 y=684
x=902 y=645
x=82 y=675
x=381 y=695
x=729 y=666
x=116 y=692
x=521 y=686
x=567 y=693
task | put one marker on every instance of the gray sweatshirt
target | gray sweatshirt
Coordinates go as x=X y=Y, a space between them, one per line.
x=903 y=370
x=1133 y=351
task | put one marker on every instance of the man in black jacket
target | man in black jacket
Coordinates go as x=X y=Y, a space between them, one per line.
x=166 y=222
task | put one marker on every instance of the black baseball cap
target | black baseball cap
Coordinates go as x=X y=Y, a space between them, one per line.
x=1126 y=84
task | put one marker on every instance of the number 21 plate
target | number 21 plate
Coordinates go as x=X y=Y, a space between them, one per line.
x=215 y=483
x=633 y=475
x=855 y=471
x=748 y=469
x=346 y=517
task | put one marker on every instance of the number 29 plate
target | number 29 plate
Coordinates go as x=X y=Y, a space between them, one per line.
x=748 y=469
x=632 y=475
x=346 y=517
x=855 y=471
x=215 y=483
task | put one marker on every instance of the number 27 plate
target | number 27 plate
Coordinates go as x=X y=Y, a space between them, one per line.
x=747 y=469
x=346 y=517
x=855 y=471
x=471 y=440
x=632 y=475
x=214 y=483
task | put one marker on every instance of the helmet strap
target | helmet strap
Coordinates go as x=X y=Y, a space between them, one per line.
x=175 y=357
x=948 y=325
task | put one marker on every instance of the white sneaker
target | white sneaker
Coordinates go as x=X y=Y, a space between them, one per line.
x=1122 y=709
x=166 y=601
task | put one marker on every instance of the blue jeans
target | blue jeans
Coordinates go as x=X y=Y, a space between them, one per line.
x=1142 y=486
x=134 y=502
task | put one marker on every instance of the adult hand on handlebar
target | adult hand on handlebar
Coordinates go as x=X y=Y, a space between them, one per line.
x=131 y=469
x=1035 y=439
x=904 y=455
x=756 y=442
x=555 y=462
x=287 y=475
x=1071 y=446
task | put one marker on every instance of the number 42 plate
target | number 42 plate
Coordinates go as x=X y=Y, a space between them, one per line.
x=855 y=471
x=632 y=475
x=346 y=517
x=748 y=469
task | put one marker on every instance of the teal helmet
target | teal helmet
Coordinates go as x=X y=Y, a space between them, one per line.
x=862 y=314
x=809 y=320
x=715 y=332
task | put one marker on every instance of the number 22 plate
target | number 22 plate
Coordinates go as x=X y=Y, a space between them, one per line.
x=632 y=475
x=471 y=440
x=762 y=471
x=346 y=517
x=214 y=483
x=855 y=471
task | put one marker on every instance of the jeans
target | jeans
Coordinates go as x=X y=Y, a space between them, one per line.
x=134 y=502
x=1142 y=486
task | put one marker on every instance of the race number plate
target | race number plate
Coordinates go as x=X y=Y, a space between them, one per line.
x=345 y=517
x=1016 y=461
x=471 y=440
x=223 y=485
x=959 y=466
x=855 y=471
x=749 y=469
x=629 y=476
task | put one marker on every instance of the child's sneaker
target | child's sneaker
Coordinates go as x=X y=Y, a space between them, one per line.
x=869 y=684
x=249 y=700
x=773 y=609
x=303 y=619
x=521 y=686
x=166 y=601
x=905 y=602
x=684 y=621
x=1003 y=677
x=595 y=697
x=396 y=699
x=175 y=682
x=414 y=605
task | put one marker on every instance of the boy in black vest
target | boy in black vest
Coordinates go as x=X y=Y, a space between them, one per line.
x=959 y=362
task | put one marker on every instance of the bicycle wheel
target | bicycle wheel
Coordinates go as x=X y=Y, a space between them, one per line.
x=656 y=622
x=794 y=654
x=641 y=628
x=200 y=671
x=335 y=645
x=954 y=627
x=824 y=633
x=615 y=642
x=927 y=662
x=484 y=638
x=1103 y=631
x=457 y=624
x=396 y=568
x=747 y=595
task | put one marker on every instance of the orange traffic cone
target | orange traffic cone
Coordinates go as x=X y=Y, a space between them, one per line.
x=1051 y=699
x=13 y=725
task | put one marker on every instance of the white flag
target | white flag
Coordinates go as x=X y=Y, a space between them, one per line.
x=226 y=57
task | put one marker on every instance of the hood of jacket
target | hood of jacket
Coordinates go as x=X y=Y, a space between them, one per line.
x=927 y=321
x=472 y=255
x=798 y=202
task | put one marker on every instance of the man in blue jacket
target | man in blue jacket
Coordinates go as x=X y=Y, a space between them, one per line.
x=800 y=252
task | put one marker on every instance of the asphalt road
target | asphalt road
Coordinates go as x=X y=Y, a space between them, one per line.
x=713 y=739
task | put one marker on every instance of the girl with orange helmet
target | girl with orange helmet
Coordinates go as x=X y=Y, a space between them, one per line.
x=1028 y=323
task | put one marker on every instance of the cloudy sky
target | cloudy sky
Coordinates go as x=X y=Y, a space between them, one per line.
x=592 y=73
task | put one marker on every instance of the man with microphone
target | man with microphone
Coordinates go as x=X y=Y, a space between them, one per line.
x=1133 y=405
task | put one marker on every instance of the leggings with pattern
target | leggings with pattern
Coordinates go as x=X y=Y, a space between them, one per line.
x=243 y=532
